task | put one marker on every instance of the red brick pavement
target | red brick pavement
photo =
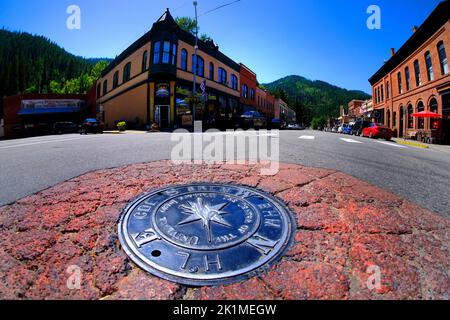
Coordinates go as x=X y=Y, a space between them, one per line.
x=344 y=227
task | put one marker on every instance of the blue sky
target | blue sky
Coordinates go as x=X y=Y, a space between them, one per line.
x=319 y=39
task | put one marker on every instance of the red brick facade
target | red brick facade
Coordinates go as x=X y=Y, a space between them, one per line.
x=248 y=81
x=265 y=103
x=407 y=86
x=12 y=105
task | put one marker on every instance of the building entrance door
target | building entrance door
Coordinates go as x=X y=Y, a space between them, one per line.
x=162 y=115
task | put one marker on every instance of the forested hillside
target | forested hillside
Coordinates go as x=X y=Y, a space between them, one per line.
x=34 y=64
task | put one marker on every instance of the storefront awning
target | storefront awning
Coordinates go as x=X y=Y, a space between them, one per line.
x=39 y=111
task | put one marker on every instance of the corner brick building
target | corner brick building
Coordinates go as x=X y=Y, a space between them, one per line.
x=416 y=78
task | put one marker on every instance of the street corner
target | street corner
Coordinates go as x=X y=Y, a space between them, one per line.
x=351 y=241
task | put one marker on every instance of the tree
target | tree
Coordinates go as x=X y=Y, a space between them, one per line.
x=187 y=24
x=190 y=25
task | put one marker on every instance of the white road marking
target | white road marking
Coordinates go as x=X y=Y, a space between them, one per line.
x=350 y=140
x=35 y=143
x=307 y=137
x=393 y=144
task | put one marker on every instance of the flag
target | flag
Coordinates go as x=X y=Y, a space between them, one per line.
x=203 y=86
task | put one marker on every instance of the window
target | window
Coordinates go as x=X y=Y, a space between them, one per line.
x=394 y=120
x=417 y=73
x=156 y=52
x=382 y=93
x=105 y=87
x=99 y=90
x=408 y=79
x=200 y=66
x=166 y=52
x=420 y=121
x=116 y=80
x=429 y=65
x=234 y=82
x=410 y=117
x=211 y=71
x=245 y=91
x=174 y=54
x=184 y=59
x=145 y=61
x=222 y=76
x=388 y=90
x=127 y=72
x=399 y=79
x=443 y=58
x=252 y=94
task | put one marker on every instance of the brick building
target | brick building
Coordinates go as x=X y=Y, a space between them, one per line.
x=35 y=114
x=248 y=88
x=416 y=78
x=355 y=109
x=265 y=103
x=152 y=81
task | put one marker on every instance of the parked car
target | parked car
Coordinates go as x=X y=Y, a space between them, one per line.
x=276 y=124
x=347 y=129
x=253 y=119
x=295 y=127
x=377 y=130
x=340 y=128
x=335 y=129
x=64 y=127
x=91 y=125
x=359 y=126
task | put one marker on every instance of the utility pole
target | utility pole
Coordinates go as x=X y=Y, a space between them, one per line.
x=194 y=90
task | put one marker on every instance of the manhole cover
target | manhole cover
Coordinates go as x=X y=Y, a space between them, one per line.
x=206 y=234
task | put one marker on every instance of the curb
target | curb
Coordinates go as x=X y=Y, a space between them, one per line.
x=412 y=144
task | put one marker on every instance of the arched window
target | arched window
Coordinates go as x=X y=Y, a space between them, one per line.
x=417 y=73
x=429 y=65
x=211 y=71
x=252 y=94
x=116 y=79
x=105 y=87
x=184 y=57
x=156 y=52
x=145 y=61
x=410 y=117
x=408 y=79
x=222 y=76
x=434 y=123
x=245 y=91
x=200 y=65
x=127 y=72
x=234 y=82
x=443 y=58
x=420 y=121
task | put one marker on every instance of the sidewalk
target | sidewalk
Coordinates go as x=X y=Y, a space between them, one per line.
x=417 y=144
x=346 y=227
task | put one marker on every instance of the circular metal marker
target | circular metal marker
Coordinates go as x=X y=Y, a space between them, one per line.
x=206 y=234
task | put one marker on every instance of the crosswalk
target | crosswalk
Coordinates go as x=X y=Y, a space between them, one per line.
x=356 y=142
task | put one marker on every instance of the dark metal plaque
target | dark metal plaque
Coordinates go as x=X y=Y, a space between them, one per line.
x=206 y=234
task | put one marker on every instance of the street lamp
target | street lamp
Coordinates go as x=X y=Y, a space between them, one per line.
x=194 y=90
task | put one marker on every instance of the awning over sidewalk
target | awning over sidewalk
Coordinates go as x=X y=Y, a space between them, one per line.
x=40 y=111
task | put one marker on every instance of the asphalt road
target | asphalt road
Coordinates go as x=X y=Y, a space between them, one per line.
x=420 y=175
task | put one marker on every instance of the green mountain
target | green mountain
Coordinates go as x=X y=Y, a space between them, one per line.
x=313 y=98
x=34 y=64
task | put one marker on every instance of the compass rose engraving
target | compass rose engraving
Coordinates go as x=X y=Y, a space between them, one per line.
x=206 y=213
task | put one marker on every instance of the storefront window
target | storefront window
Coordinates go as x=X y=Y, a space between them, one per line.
x=434 y=123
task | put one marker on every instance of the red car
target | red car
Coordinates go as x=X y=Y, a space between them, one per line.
x=376 y=131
